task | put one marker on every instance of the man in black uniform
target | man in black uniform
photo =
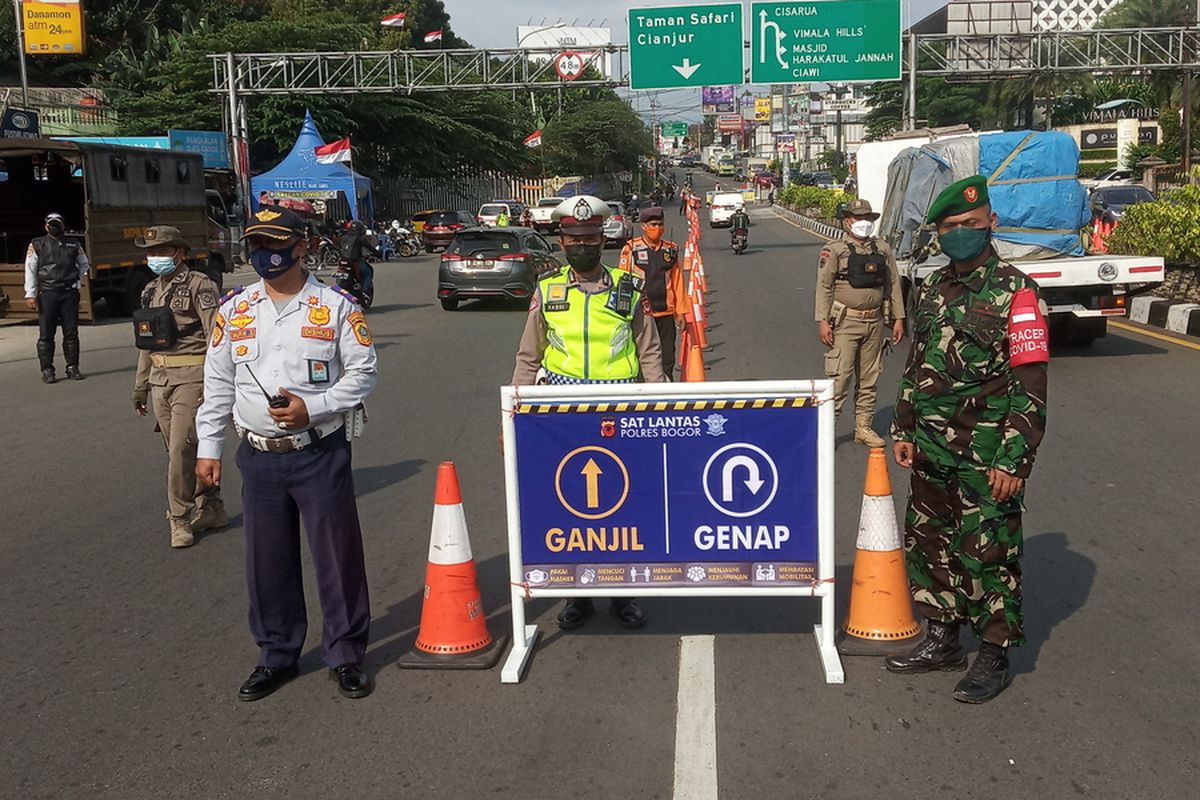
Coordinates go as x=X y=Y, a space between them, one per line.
x=53 y=269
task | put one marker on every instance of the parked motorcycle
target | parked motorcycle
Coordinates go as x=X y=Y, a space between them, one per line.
x=344 y=277
x=407 y=243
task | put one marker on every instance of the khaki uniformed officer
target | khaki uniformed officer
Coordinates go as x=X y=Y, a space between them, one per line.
x=858 y=291
x=171 y=330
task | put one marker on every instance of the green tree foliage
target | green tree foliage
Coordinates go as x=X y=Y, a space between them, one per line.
x=939 y=103
x=151 y=57
x=1149 y=14
x=1169 y=227
x=599 y=137
x=811 y=200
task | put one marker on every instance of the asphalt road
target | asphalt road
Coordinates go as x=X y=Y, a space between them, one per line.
x=121 y=657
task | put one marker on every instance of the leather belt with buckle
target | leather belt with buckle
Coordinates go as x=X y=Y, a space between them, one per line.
x=286 y=444
x=864 y=316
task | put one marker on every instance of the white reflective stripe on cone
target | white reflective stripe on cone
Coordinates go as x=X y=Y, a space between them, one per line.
x=449 y=543
x=877 y=529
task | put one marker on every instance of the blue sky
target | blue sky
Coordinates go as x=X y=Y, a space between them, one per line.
x=488 y=23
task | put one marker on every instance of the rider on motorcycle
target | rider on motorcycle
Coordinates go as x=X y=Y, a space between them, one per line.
x=739 y=223
x=354 y=243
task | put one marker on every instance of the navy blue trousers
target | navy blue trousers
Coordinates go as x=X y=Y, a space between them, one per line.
x=278 y=491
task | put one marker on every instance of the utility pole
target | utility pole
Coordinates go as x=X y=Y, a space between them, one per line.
x=21 y=53
x=912 y=81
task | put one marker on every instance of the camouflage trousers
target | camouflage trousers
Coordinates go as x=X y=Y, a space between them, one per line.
x=962 y=547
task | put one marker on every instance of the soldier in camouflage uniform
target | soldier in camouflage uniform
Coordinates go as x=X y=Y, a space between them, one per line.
x=969 y=418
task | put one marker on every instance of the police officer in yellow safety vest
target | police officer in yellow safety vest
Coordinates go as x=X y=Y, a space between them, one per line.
x=858 y=304
x=172 y=327
x=588 y=324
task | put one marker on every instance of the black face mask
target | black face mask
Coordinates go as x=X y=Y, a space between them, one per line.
x=583 y=257
x=55 y=229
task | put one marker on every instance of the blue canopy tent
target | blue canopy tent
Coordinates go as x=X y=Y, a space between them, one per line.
x=301 y=176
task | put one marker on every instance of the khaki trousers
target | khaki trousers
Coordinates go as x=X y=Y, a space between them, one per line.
x=175 y=410
x=857 y=352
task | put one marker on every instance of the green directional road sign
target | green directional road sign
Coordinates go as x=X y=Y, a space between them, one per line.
x=681 y=46
x=817 y=40
x=673 y=129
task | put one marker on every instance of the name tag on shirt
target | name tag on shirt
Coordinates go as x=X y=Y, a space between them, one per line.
x=318 y=371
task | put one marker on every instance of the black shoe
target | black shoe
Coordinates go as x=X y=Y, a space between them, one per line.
x=352 y=681
x=74 y=374
x=48 y=376
x=627 y=613
x=265 y=680
x=575 y=612
x=939 y=650
x=988 y=676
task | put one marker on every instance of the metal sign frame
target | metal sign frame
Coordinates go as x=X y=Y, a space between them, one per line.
x=819 y=392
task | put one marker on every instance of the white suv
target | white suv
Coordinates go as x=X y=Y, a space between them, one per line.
x=723 y=206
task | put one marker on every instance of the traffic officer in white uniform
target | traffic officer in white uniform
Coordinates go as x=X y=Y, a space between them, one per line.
x=292 y=359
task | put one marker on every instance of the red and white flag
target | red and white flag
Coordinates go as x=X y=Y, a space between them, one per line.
x=534 y=139
x=433 y=36
x=333 y=152
x=393 y=20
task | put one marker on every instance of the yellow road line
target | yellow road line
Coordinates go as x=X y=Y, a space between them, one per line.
x=1153 y=334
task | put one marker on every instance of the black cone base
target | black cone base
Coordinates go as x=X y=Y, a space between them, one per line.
x=485 y=658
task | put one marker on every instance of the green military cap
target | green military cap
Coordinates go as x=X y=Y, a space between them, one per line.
x=958 y=198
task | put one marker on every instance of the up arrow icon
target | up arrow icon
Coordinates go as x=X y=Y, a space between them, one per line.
x=686 y=69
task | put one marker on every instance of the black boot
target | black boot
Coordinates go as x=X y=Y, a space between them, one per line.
x=988 y=676
x=939 y=650
x=71 y=354
x=627 y=612
x=45 y=354
x=575 y=612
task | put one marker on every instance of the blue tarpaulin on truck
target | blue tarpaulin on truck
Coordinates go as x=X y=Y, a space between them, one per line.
x=1034 y=190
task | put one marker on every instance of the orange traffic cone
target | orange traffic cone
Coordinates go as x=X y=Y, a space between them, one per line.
x=453 y=632
x=693 y=370
x=881 y=620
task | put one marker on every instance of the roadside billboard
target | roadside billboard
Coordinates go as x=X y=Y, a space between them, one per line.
x=717 y=99
x=586 y=42
x=52 y=27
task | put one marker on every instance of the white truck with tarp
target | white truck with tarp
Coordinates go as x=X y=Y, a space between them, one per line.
x=1043 y=213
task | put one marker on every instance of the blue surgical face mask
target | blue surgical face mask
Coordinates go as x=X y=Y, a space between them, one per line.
x=964 y=244
x=160 y=265
x=272 y=263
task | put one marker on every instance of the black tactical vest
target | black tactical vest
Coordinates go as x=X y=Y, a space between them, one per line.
x=655 y=264
x=56 y=268
x=866 y=270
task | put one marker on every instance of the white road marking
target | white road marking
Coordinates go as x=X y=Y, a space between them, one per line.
x=696 y=721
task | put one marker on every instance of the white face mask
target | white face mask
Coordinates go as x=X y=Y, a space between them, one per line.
x=862 y=228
